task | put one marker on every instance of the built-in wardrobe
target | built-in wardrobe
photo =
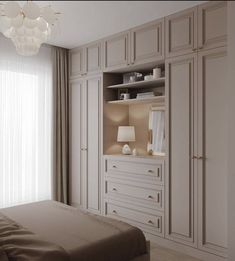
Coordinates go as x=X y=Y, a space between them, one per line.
x=178 y=199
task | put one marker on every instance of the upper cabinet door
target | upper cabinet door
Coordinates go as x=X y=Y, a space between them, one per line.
x=212 y=25
x=116 y=51
x=76 y=63
x=93 y=58
x=181 y=33
x=147 y=43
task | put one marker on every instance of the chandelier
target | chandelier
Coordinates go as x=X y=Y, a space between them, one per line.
x=28 y=26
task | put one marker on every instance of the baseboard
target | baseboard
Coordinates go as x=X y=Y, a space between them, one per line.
x=187 y=250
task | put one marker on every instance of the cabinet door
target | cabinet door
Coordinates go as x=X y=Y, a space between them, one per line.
x=181 y=179
x=213 y=151
x=212 y=24
x=75 y=144
x=76 y=63
x=93 y=58
x=181 y=32
x=116 y=51
x=147 y=43
x=93 y=145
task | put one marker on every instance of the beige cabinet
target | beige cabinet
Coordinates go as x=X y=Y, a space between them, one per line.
x=181 y=179
x=116 y=51
x=202 y=27
x=212 y=24
x=196 y=182
x=85 y=60
x=212 y=151
x=133 y=191
x=181 y=32
x=75 y=180
x=139 y=46
x=93 y=89
x=85 y=124
x=147 y=43
x=93 y=63
x=76 y=62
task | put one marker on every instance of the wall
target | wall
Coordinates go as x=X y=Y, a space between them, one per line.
x=231 y=124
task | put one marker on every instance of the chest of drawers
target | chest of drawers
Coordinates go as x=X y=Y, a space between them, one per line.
x=133 y=191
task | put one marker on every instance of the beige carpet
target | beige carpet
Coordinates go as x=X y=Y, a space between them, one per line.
x=158 y=253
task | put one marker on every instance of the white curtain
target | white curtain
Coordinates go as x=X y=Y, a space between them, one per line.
x=25 y=126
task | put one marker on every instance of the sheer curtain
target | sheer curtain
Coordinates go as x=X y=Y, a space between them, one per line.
x=25 y=126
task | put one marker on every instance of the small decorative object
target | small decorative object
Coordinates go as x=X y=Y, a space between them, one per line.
x=124 y=96
x=148 y=77
x=121 y=91
x=126 y=150
x=134 y=152
x=28 y=26
x=126 y=134
x=132 y=77
x=156 y=73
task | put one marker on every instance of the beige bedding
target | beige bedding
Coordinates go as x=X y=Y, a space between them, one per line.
x=60 y=232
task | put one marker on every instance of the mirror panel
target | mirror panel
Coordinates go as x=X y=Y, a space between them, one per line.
x=156 y=143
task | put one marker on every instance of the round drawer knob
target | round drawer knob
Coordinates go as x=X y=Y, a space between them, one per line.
x=150 y=222
x=150 y=197
x=114 y=211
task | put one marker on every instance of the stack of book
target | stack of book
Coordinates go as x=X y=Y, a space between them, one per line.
x=145 y=95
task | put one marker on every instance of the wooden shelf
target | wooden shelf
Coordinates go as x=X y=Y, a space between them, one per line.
x=148 y=83
x=156 y=99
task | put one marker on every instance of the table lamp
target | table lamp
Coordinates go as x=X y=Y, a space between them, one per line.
x=126 y=134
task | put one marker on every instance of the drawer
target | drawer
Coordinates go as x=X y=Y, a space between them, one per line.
x=154 y=171
x=149 y=195
x=120 y=212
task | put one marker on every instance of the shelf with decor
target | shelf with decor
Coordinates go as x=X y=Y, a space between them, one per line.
x=156 y=99
x=140 y=84
x=137 y=100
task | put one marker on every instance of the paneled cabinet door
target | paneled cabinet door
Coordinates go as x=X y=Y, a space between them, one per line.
x=75 y=143
x=116 y=51
x=93 y=86
x=76 y=63
x=93 y=58
x=181 y=178
x=147 y=43
x=212 y=24
x=181 y=33
x=212 y=150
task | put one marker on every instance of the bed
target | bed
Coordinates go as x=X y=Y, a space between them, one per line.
x=49 y=231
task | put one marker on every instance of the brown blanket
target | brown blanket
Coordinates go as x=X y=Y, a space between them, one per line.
x=85 y=237
x=17 y=243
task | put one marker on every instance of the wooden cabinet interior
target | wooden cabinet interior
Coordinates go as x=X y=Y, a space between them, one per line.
x=133 y=111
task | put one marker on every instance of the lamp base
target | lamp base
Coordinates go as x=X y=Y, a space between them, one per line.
x=126 y=150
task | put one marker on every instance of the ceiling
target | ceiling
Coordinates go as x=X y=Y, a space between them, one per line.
x=82 y=22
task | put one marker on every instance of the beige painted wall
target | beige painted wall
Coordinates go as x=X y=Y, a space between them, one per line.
x=231 y=123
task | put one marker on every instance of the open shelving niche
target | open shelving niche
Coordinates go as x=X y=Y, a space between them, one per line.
x=133 y=111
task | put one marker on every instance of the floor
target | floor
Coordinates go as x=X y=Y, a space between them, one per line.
x=158 y=253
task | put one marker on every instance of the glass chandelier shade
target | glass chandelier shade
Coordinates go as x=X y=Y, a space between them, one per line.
x=28 y=26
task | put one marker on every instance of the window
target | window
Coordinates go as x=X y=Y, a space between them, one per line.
x=25 y=126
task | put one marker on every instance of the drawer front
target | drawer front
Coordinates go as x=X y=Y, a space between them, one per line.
x=152 y=170
x=151 y=221
x=149 y=195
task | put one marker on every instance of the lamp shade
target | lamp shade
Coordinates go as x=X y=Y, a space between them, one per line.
x=126 y=133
